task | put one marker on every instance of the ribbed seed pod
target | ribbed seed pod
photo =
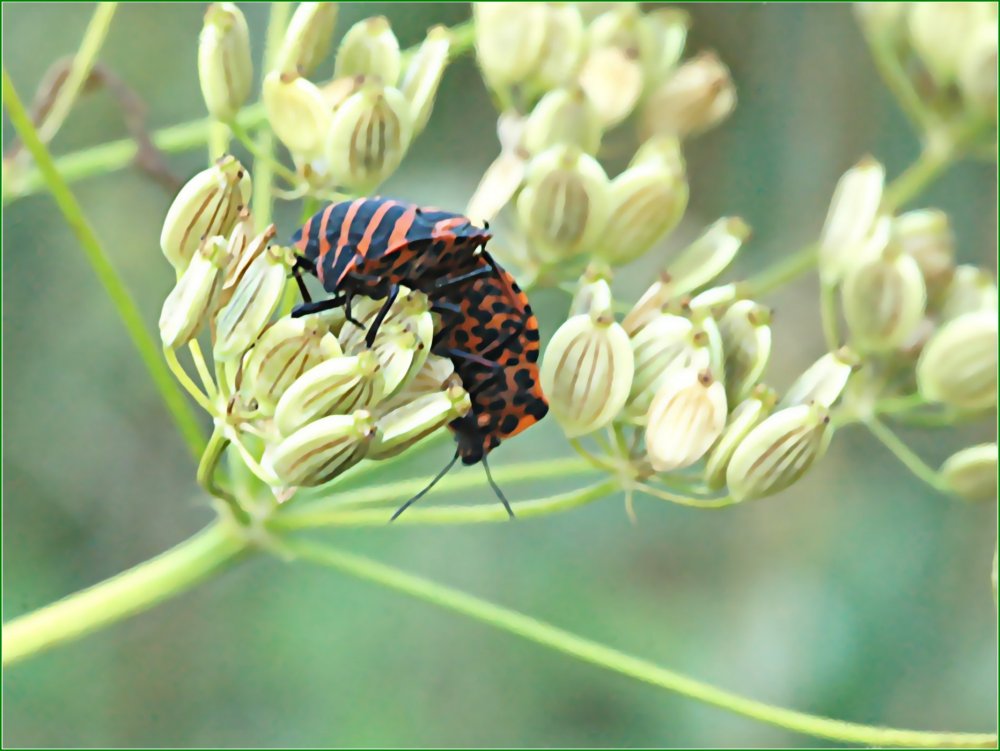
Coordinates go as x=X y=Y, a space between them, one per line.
x=709 y=255
x=656 y=300
x=823 y=381
x=742 y=420
x=190 y=304
x=971 y=290
x=746 y=340
x=612 y=80
x=778 y=451
x=370 y=49
x=320 y=451
x=664 y=345
x=958 y=366
x=926 y=236
x=697 y=96
x=562 y=49
x=298 y=112
x=504 y=176
x=285 y=351
x=307 y=39
x=662 y=35
x=509 y=40
x=686 y=417
x=407 y=425
x=338 y=386
x=883 y=301
x=225 y=69
x=563 y=206
x=851 y=218
x=436 y=374
x=240 y=239
x=563 y=116
x=972 y=472
x=209 y=204
x=423 y=75
x=410 y=309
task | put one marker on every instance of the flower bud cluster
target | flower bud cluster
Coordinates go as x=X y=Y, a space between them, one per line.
x=352 y=131
x=310 y=387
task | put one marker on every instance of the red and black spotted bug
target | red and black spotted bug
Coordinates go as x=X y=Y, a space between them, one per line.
x=491 y=336
x=371 y=246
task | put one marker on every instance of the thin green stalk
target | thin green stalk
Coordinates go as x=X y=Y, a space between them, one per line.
x=788 y=268
x=108 y=275
x=126 y=594
x=828 y=315
x=931 y=163
x=899 y=84
x=441 y=515
x=616 y=661
x=905 y=454
x=79 y=72
x=214 y=451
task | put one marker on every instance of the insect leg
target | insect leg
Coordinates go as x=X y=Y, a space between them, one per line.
x=443 y=284
x=382 y=313
x=424 y=492
x=318 y=306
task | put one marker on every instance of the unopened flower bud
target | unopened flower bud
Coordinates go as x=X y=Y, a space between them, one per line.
x=224 y=66
x=883 y=301
x=423 y=75
x=971 y=289
x=663 y=151
x=686 y=417
x=562 y=49
x=823 y=381
x=666 y=344
x=370 y=49
x=509 y=40
x=714 y=300
x=409 y=424
x=436 y=374
x=746 y=341
x=239 y=249
x=368 y=137
x=505 y=175
x=307 y=39
x=208 y=204
x=411 y=308
x=742 y=420
x=593 y=297
x=778 y=451
x=321 y=450
x=654 y=301
x=695 y=97
x=563 y=207
x=926 y=236
x=646 y=203
x=286 y=350
x=619 y=26
x=972 y=473
x=339 y=386
x=587 y=372
x=662 y=35
x=401 y=351
x=958 y=366
x=253 y=303
x=709 y=255
x=882 y=21
x=612 y=80
x=977 y=70
x=563 y=116
x=192 y=300
x=851 y=218
x=940 y=33
x=298 y=112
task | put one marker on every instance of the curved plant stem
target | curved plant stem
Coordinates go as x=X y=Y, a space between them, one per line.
x=586 y=650
x=130 y=592
x=206 y=476
x=930 y=164
x=113 y=284
x=789 y=268
x=828 y=315
x=185 y=380
x=898 y=82
x=917 y=466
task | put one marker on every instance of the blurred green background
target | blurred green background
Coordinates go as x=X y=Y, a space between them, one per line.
x=858 y=594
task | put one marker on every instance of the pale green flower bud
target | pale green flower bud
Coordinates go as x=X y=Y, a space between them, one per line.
x=885 y=21
x=686 y=417
x=593 y=296
x=370 y=49
x=192 y=301
x=436 y=374
x=339 y=386
x=299 y=114
x=587 y=372
x=662 y=347
x=509 y=40
x=977 y=70
x=241 y=238
x=662 y=151
x=307 y=39
x=851 y=218
x=320 y=451
x=619 y=27
x=254 y=301
x=714 y=300
x=646 y=203
x=940 y=33
x=286 y=350
x=778 y=451
x=926 y=236
x=746 y=341
x=697 y=96
x=404 y=427
x=742 y=420
x=209 y=204
x=423 y=75
x=709 y=255
x=612 y=80
x=563 y=207
x=562 y=49
x=971 y=289
x=662 y=35
x=654 y=301
x=224 y=66
x=884 y=301
x=410 y=309
x=368 y=138
x=505 y=175
x=708 y=328
x=823 y=382
x=563 y=117
x=592 y=11
x=958 y=366
x=972 y=473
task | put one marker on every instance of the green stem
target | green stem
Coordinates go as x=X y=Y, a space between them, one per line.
x=130 y=592
x=887 y=63
x=170 y=356
x=206 y=476
x=586 y=650
x=789 y=268
x=828 y=315
x=905 y=454
x=113 y=284
x=83 y=63
x=931 y=163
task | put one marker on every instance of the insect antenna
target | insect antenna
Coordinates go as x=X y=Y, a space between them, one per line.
x=426 y=490
x=496 y=489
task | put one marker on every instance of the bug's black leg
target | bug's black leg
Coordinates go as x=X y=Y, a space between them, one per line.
x=347 y=310
x=472 y=357
x=383 y=312
x=318 y=306
x=301 y=266
x=446 y=307
x=443 y=284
